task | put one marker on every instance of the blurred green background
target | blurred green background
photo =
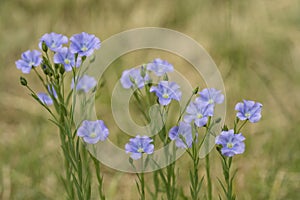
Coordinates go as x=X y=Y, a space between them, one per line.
x=255 y=44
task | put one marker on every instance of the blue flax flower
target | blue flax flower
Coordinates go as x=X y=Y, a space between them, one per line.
x=166 y=91
x=66 y=58
x=28 y=60
x=132 y=78
x=93 y=131
x=85 y=83
x=232 y=144
x=160 y=67
x=199 y=112
x=249 y=110
x=182 y=135
x=139 y=145
x=45 y=98
x=54 y=41
x=210 y=96
x=84 y=44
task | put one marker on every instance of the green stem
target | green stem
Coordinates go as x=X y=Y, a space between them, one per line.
x=243 y=124
x=194 y=176
x=99 y=178
x=209 y=186
x=185 y=107
x=227 y=179
x=142 y=186
x=142 y=181
x=207 y=161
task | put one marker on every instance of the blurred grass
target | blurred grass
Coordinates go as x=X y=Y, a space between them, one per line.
x=255 y=44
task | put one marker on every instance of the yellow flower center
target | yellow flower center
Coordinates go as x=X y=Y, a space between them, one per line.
x=93 y=135
x=140 y=150
x=31 y=64
x=247 y=114
x=199 y=116
x=67 y=61
x=84 y=48
x=229 y=145
x=210 y=101
x=165 y=96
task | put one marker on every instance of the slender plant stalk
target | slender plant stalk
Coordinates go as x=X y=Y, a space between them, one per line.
x=195 y=183
x=207 y=162
x=209 y=186
x=142 y=182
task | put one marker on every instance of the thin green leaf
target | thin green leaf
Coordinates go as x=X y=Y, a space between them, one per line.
x=223 y=187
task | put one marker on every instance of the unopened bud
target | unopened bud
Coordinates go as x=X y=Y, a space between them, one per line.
x=165 y=78
x=143 y=71
x=44 y=47
x=23 y=81
x=83 y=58
x=46 y=70
x=195 y=91
x=225 y=128
x=218 y=120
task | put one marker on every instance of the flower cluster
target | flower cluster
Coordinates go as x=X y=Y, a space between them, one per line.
x=137 y=78
x=197 y=113
x=232 y=142
x=65 y=58
x=57 y=56
x=165 y=91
